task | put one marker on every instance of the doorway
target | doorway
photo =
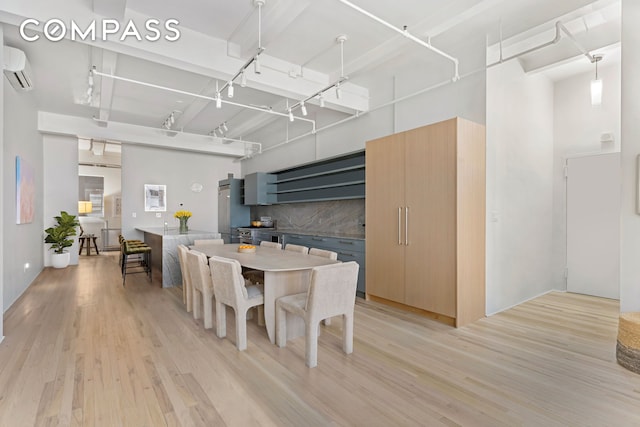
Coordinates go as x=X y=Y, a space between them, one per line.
x=593 y=225
x=100 y=190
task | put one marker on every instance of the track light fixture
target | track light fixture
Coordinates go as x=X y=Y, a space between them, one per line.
x=321 y=98
x=303 y=108
x=218 y=100
x=256 y=66
x=596 y=84
x=90 y=86
x=224 y=127
x=243 y=79
x=291 y=118
x=338 y=91
x=230 y=89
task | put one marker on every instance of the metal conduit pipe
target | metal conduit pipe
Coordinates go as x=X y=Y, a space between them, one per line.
x=558 y=36
x=405 y=33
x=360 y=114
x=197 y=95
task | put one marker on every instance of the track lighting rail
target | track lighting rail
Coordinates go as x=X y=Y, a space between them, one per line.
x=197 y=95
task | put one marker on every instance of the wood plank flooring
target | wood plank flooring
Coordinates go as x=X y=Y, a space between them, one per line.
x=82 y=350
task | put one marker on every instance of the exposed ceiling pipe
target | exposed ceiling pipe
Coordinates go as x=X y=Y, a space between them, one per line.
x=405 y=33
x=197 y=95
x=360 y=114
x=558 y=36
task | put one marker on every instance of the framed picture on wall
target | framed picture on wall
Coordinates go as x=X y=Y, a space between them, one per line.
x=155 y=198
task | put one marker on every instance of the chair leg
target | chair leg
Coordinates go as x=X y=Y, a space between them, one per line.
x=347 y=333
x=241 y=329
x=281 y=326
x=208 y=312
x=311 y=344
x=189 y=294
x=197 y=303
x=221 y=320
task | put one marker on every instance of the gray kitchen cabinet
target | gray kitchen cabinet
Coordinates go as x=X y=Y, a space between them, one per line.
x=347 y=249
x=259 y=189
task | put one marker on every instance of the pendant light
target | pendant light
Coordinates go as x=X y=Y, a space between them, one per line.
x=596 y=84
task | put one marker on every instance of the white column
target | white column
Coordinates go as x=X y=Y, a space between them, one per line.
x=630 y=220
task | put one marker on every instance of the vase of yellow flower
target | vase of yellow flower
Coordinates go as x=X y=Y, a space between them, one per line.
x=183 y=217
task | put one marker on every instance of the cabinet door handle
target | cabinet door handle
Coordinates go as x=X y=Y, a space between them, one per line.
x=406 y=225
x=346 y=254
x=346 y=242
x=400 y=225
x=318 y=239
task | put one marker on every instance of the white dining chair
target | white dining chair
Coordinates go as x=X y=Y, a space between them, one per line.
x=202 y=287
x=323 y=253
x=230 y=290
x=296 y=248
x=187 y=292
x=332 y=292
x=268 y=244
x=199 y=242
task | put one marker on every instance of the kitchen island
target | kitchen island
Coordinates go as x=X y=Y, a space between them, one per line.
x=164 y=251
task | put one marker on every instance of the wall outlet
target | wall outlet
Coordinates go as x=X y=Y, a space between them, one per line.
x=26 y=266
x=158 y=215
x=133 y=214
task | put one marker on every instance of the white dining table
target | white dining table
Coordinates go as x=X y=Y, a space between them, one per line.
x=285 y=273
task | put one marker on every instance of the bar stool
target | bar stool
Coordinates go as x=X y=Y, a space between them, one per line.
x=140 y=264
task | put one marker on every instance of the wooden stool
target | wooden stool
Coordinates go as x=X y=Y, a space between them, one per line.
x=628 y=347
x=88 y=238
x=141 y=263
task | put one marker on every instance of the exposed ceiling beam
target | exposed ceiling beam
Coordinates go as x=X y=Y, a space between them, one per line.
x=111 y=8
x=108 y=62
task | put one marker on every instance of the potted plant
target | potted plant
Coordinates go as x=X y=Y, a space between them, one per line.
x=58 y=237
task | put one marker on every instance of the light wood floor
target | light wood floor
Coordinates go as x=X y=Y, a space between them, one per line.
x=82 y=350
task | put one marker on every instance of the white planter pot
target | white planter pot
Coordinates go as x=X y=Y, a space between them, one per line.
x=60 y=260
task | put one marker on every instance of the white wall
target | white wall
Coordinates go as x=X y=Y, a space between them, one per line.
x=22 y=243
x=60 y=185
x=178 y=170
x=519 y=186
x=577 y=129
x=630 y=229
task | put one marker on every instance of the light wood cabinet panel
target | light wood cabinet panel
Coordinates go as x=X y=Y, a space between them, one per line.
x=384 y=204
x=439 y=185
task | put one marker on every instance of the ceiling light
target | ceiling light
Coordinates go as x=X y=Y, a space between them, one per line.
x=338 y=91
x=256 y=66
x=172 y=118
x=243 y=79
x=303 y=108
x=230 y=90
x=290 y=115
x=596 y=84
x=224 y=127
x=321 y=101
x=218 y=100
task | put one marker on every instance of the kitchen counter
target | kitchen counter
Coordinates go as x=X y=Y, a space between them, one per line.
x=322 y=234
x=164 y=250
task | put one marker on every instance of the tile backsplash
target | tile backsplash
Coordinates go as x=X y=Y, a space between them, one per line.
x=340 y=217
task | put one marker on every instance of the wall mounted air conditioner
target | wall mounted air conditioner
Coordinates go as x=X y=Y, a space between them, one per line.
x=17 y=68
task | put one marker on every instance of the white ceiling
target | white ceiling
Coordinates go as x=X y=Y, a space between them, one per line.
x=301 y=54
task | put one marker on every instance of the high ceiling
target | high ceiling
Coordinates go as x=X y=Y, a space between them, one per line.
x=301 y=54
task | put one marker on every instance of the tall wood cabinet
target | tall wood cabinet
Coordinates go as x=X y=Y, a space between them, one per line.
x=425 y=216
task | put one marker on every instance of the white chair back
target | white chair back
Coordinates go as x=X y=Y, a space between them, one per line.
x=332 y=290
x=199 y=242
x=228 y=282
x=198 y=270
x=186 y=280
x=296 y=248
x=268 y=244
x=323 y=253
